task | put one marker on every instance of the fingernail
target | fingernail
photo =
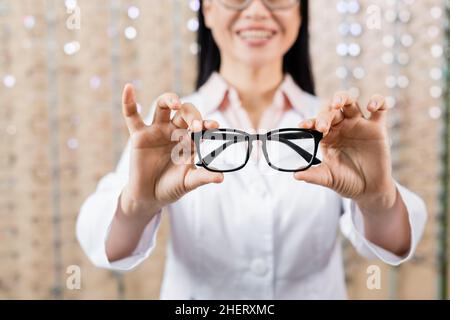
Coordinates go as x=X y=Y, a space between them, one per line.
x=305 y=123
x=322 y=124
x=196 y=125
x=373 y=104
x=337 y=101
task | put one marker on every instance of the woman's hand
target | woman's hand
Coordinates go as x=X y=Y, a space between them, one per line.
x=356 y=154
x=357 y=164
x=155 y=180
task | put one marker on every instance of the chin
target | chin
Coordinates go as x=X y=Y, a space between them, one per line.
x=257 y=60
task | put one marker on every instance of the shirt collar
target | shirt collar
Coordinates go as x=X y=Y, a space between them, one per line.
x=216 y=90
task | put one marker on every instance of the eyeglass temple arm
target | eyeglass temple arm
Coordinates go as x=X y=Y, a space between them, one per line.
x=213 y=154
x=303 y=153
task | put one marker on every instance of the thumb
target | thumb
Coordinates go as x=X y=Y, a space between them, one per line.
x=319 y=175
x=196 y=177
x=129 y=109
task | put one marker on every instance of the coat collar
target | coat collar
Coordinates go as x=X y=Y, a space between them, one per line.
x=215 y=90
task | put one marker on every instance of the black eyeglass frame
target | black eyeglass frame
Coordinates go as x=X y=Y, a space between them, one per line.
x=249 y=138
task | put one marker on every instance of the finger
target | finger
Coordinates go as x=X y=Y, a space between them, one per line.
x=210 y=124
x=307 y=124
x=326 y=119
x=196 y=177
x=342 y=100
x=181 y=123
x=319 y=175
x=377 y=108
x=178 y=121
x=164 y=105
x=129 y=109
x=188 y=117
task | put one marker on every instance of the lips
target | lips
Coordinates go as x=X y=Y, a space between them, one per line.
x=256 y=34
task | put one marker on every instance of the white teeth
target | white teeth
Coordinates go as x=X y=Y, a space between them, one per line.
x=255 y=34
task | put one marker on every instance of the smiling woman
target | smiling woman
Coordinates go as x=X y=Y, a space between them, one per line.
x=294 y=55
x=237 y=37
x=253 y=233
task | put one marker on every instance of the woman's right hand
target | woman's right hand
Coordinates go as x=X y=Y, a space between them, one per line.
x=154 y=179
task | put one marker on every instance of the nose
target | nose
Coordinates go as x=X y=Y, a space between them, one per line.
x=256 y=10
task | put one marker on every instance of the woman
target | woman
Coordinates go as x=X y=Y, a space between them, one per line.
x=254 y=233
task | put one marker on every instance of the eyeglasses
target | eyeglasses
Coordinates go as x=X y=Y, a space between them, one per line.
x=227 y=150
x=270 y=4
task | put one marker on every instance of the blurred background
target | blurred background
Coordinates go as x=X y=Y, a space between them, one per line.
x=63 y=65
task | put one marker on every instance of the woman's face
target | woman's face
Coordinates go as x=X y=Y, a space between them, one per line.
x=255 y=36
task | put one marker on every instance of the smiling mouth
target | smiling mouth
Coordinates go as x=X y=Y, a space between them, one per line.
x=256 y=35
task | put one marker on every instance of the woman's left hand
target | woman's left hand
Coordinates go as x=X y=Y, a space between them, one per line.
x=356 y=153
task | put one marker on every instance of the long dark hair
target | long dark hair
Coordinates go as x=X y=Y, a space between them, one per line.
x=296 y=61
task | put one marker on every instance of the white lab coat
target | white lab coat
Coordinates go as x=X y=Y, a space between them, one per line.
x=260 y=234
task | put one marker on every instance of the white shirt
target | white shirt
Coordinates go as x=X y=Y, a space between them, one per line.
x=260 y=234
